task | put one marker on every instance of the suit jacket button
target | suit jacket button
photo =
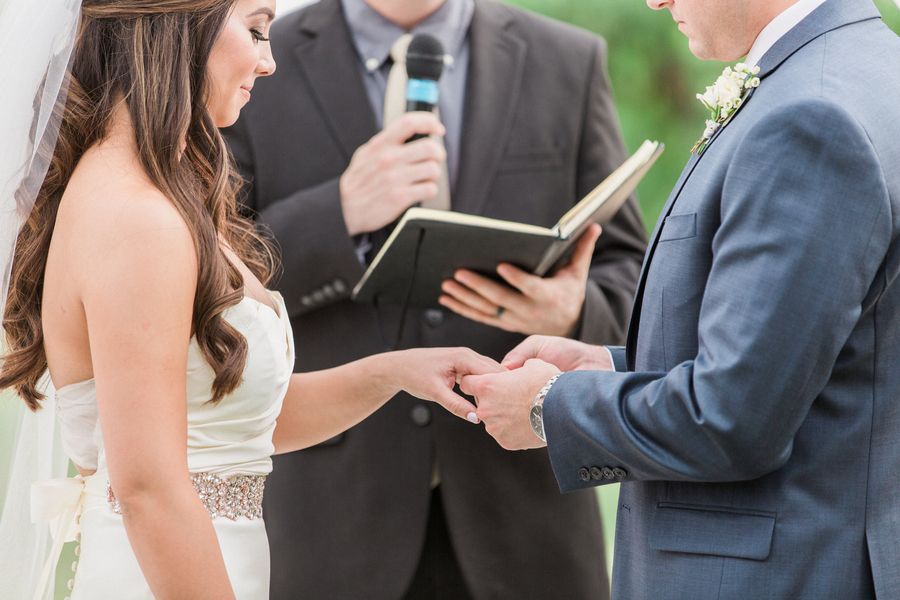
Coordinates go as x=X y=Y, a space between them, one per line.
x=339 y=286
x=306 y=301
x=584 y=474
x=318 y=296
x=620 y=473
x=596 y=473
x=608 y=473
x=420 y=415
x=329 y=292
x=434 y=317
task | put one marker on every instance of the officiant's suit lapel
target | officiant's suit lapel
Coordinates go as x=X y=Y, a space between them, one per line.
x=827 y=17
x=492 y=91
x=334 y=77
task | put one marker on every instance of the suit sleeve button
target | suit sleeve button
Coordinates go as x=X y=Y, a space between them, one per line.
x=608 y=473
x=620 y=473
x=318 y=296
x=339 y=286
x=596 y=473
x=584 y=474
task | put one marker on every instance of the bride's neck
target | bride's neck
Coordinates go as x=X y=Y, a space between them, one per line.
x=120 y=131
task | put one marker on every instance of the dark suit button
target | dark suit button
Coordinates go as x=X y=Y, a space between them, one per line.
x=608 y=473
x=596 y=473
x=339 y=286
x=306 y=301
x=329 y=292
x=584 y=474
x=434 y=317
x=620 y=473
x=318 y=296
x=421 y=415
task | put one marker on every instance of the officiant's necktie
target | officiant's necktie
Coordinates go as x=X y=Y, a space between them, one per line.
x=395 y=105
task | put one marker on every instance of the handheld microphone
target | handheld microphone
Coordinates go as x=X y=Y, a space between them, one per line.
x=424 y=65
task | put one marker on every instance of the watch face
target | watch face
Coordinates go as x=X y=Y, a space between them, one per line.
x=537 y=421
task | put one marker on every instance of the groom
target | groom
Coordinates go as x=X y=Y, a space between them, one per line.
x=754 y=415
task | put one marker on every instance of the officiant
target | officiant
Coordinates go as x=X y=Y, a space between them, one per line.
x=413 y=502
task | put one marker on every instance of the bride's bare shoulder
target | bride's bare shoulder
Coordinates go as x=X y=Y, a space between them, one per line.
x=110 y=202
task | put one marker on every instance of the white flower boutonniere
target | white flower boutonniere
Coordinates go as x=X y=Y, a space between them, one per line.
x=724 y=97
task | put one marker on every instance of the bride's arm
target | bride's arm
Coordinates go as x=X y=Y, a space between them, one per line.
x=137 y=276
x=321 y=404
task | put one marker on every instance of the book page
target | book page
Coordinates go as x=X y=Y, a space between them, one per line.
x=611 y=193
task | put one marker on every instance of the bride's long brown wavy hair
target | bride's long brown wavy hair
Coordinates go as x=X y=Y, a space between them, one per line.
x=152 y=53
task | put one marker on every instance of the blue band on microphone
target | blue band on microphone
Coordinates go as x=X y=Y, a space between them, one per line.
x=422 y=90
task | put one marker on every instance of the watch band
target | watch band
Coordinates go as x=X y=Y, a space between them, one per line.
x=537 y=408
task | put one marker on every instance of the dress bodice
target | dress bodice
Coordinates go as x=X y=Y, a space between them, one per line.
x=229 y=437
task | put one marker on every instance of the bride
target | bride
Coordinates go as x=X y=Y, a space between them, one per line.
x=135 y=282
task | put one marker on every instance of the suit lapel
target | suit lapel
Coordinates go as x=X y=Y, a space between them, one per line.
x=327 y=60
x=830 y=15
x=492 y=90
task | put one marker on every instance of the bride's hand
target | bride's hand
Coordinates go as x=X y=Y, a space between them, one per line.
x=431 y=374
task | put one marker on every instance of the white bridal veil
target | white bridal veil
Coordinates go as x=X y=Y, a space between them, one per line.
x=36 y=40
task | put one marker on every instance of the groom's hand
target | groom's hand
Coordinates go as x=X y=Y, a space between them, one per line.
x=563 y=353
x=529 y=304
x=504 y=402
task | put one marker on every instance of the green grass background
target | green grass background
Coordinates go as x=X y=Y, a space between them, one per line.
x=654 y=79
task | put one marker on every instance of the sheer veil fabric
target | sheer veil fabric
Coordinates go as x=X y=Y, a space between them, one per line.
x=37 y=38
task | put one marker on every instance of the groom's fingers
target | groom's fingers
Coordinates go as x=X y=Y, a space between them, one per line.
x=469 y=362
x=529 y=348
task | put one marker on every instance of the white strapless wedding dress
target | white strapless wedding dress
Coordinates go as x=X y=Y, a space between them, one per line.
x=230 y=443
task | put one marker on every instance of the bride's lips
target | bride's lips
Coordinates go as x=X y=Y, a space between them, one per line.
x=246 y=92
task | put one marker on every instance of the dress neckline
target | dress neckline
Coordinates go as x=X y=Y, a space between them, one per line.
x=278 y=314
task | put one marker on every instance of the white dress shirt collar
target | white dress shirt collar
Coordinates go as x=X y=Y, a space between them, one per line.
x=779 y=26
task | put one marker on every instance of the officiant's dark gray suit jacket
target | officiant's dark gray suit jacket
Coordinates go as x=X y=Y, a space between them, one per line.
x=346 y=519
x=758 y=427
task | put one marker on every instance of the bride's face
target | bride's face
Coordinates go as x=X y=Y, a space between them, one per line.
x=240 y=55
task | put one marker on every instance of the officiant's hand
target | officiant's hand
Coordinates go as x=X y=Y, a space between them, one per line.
x=432 y=373
x=504 y=402
x=386 y=175
x=529 y=304
x=563 y=353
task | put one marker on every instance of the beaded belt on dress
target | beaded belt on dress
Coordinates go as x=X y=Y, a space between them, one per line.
x=229 y=497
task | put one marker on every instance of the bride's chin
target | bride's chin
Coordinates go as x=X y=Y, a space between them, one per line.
x=226 y=118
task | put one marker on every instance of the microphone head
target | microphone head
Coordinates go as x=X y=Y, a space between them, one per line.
x=425 y=57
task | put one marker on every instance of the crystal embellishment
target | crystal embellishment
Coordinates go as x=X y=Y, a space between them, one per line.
x=230 y=497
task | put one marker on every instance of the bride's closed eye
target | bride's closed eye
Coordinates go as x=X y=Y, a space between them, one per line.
x=258 y=36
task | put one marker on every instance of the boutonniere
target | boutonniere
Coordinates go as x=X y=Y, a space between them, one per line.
x=724 y=97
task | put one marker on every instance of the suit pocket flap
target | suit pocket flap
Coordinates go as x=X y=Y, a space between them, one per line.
x=678 y=227
x=712 y=530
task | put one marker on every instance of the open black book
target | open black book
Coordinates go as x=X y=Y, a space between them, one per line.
x=428 y=245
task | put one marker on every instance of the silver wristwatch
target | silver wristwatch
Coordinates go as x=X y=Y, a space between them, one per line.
x=537 y=409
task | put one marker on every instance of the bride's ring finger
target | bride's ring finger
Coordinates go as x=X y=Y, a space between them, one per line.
x=499 y=312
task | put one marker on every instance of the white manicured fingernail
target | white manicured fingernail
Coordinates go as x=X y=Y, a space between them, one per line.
x=472 y=418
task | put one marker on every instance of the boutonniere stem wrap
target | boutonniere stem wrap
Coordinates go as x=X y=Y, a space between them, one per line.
x=724 y=97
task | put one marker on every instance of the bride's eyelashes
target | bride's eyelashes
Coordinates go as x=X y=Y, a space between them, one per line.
x=258 y=36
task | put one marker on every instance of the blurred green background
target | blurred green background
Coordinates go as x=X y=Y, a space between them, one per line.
x=654 y=78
